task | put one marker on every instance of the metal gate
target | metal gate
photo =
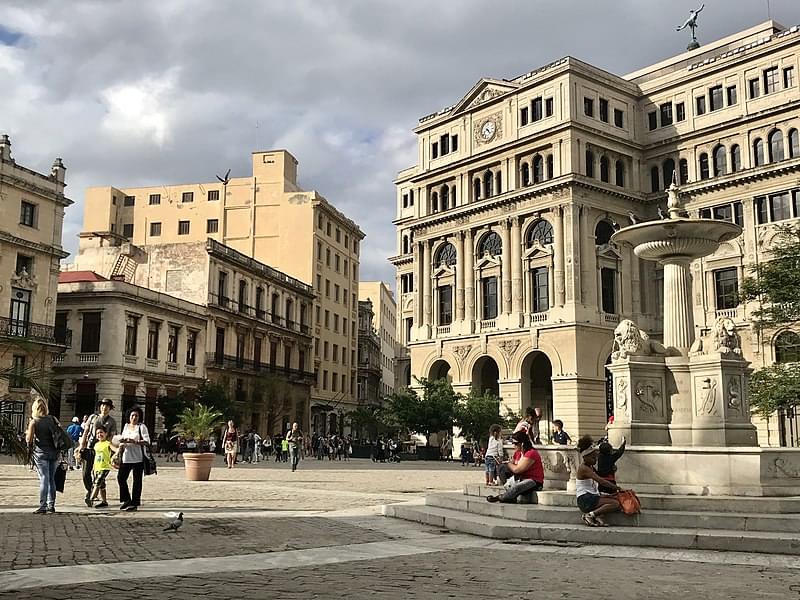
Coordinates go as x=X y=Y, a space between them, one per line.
x=14 y=411
x=789 y=426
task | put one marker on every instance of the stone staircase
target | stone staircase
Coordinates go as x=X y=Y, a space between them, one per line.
x=734 y=523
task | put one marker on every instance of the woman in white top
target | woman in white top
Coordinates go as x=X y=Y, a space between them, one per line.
x=494 y=454
x=133 y=438
x=588 y=497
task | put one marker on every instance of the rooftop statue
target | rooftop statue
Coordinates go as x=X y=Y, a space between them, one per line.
x=691 y=23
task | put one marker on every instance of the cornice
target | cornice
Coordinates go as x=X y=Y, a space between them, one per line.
x=7 y=179
x=46 y=248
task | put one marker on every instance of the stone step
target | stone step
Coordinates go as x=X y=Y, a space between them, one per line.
x=717 y=504
x=505 y=529
x=542 y=513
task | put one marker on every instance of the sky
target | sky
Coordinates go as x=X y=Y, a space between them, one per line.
x=135 y=93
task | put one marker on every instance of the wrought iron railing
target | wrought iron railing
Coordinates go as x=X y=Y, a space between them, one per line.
x=225 y=361
x=258 y=314
x=36 y=332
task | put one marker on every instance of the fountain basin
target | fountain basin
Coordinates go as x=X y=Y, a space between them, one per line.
x=677 y=237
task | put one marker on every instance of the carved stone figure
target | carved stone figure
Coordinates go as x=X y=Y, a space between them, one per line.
x=734 y=394
x=707 y=404
x=629 y=340
x=649 y=395
x=722 y=338
x=462 y=351
x=622 y=393
x=508 y=347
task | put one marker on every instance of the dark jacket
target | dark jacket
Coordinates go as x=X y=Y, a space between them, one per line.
x=606 y=463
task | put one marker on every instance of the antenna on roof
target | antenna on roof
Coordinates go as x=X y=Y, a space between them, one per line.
x=691 y=23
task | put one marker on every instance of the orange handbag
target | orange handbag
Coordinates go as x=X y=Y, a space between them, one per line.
x=629 y=502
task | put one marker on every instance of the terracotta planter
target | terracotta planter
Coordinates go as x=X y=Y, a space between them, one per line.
x=198 y=465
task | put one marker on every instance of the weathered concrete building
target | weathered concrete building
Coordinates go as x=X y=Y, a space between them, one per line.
x=369 y=356
x=385 y=323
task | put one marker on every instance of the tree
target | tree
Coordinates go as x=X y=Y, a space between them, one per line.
x=198 y=423
x=367 y=417
x=775 y=285
x=171 y=409
x=433 y=411
x=215 y=396
x=475 y=413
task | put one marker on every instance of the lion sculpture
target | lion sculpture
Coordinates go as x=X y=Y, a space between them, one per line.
x=723 y=338
x=629 y=340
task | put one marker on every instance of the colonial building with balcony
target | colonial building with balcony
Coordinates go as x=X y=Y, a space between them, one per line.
x=31 y=219
x=507 y=279
x=369 y=356
x=385 y=323
x=131 y=344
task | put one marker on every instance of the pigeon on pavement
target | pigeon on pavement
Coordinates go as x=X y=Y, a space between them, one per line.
x=175 y=524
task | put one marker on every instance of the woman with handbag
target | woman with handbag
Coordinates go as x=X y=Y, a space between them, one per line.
x=587 y=487
x=230 y=439
x=135 y=437
x=43 y=431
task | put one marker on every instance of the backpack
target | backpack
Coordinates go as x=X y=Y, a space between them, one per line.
x=629 y=502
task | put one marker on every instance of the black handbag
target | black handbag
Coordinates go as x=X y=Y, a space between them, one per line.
x=149 y=460
x=61 y=476
x=61 y=439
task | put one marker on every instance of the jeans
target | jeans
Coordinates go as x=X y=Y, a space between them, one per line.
x=122 y=478
x=47 y=480
x=294 y=453
x=524 y=488
x=87 y=465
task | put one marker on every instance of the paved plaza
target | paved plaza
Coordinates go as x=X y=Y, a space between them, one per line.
x=260 y=531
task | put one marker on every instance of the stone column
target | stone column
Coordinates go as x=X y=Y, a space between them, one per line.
x=460 y=276
x=586 y=241
x=516 y=270
x=558 y=258
x=426 y=283
x=636 y=288
x=678 y=314
x=506 y=267
x=419 y=259
x=469 y=282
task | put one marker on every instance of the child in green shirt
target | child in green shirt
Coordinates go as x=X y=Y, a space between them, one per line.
x=102 y=465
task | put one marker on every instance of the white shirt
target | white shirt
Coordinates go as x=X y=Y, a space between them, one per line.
x=494 y=447
x=585 y=486
x=133 y=453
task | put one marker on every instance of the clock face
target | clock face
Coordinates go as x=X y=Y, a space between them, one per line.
x=488 y=130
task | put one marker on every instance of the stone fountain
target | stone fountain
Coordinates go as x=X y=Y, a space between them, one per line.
x=683 y=404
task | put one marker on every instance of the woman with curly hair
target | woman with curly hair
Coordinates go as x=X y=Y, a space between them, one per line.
x=590 y=502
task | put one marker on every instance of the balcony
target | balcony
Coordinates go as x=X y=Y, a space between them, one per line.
x=609 y=318
x=88 y=358
x=35 y=332
x=729 y=313
x=488 y=324
x=443 y=330
x=539 y=317
x=226 y=362
x=257 y=314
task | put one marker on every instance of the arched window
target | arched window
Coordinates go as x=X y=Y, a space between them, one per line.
x=540 y=232
x=550 y=166
x=446 y=255
x=787 y=347
x=538 y=169
x=525 y=174
x=758 y=152
x=720 y=161
x=604 y=175
x=487 y=184
x=289 y=311
x=736 y=158
x=444 y=203
x=683 y=171
x=704 y=172
x=275 y=308
x=619 y=168
x=406 y=246
x=794 y=143
x=491 y=244
x=476 y=188
x=667 y=169
x=775 y=146
x=589 y=163
x=654 y=183
x=603 y=233
x=242 y=295
x=435 y=202
x=498 y=183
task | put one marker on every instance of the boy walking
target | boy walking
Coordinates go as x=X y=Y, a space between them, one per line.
x=101 y=467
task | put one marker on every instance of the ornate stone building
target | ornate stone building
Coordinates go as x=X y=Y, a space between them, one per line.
x=385 y=323
x=369 y=356
x=506 y=276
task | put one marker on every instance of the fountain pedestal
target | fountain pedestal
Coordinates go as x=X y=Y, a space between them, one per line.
x=640 y=405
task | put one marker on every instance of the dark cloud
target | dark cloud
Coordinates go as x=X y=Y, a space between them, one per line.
x=144 y=92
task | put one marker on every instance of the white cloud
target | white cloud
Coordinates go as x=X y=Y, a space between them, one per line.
x=139 y=110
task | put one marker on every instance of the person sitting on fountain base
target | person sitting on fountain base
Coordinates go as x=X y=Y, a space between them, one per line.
x=526 y=467
x=606 y=466
x=587 y=494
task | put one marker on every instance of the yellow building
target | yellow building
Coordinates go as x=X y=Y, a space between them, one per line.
x=506 y=276
x=267 y=217
x=31 y=216
x=385 y=322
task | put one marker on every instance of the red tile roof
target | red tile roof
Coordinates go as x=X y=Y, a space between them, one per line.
x=79 y=276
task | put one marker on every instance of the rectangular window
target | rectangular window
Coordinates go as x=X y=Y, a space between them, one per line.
x=334 y=382
x=489 y=298
x=336 y=289
x=445 y=305
x=155 y=229
x=222 y=288
x=754 y=88
x=273 y=354
x=212 y=226
x=523 y=116
x=588 y=107
x=213 y=195
x=536 y=109
x=327 y=319
x=541 y=289
x=129 y=201
x=548 y=107
x=337 y=263
x=127 y=230
x=90 y=332
x=700 y=105
x=335 y=352
x=680 y=112
x=715 y=98
x=788 y=77
x=24 y=263
x=434 y=152
x=324 y=380
x=603 y=109
x=771 y=80
x=152 y=339
x=336 y=323
x=608 y=290
x=191 y=347
x=131 y=334
x=761 y=210
x=796 y=203
x=652 y=120
x=325 y=347
x=27 y=214
x=183 y=227
x=155 y=199
x=444 y=144
x=726 y=287
x=732 y=97
x=619 y=118
x=780 y=207
x=172 y=344
x=666 y=113
x=187 y=197
x=453 y=148
x=327 y=288
x=17 y=378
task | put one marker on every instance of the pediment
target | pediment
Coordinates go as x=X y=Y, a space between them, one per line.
x=728 y=249
x=443 y=270
x=538 y=251
x=609 y=251
x=487 y=261
x=482 y=92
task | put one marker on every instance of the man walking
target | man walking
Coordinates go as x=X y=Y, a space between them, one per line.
x=85 y=449
x=256 y=447
x=74 y=432
x=295 y=438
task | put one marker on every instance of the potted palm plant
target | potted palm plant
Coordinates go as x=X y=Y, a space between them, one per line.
x=198 y=423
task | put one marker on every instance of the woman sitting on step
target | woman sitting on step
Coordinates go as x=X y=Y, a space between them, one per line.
x=526 y=467
x=587 y=483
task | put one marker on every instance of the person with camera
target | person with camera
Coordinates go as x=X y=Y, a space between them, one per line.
x=84 y=450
